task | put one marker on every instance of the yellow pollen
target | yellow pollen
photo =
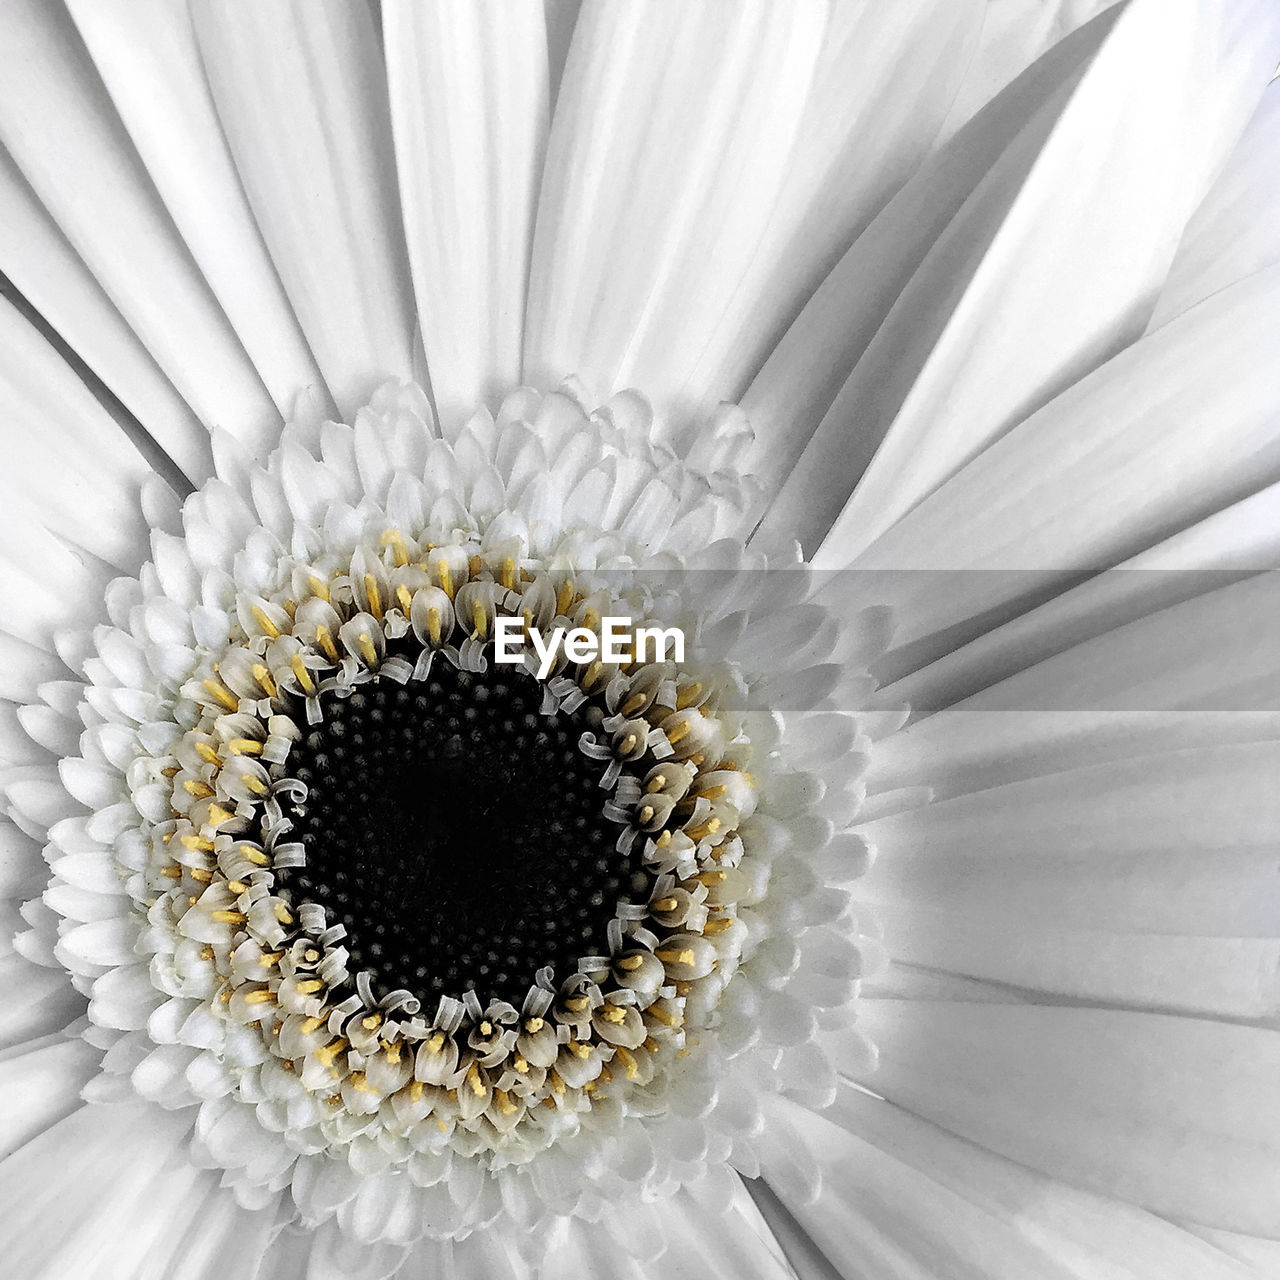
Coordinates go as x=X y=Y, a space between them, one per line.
x=221 y=694
x=486 y=1028
x=404 y=599
x=392 y=538
x=174 y=871
x=666 y=904
x=629 y=744
x=713 y=877
x=327 y=1053
x=416 y=1090
x=373 y=595
x=372 y=1022
x=312 y=1025
x=196 y=843
x=436 y=1043
x=680 y=731
x=245 y=746
x=311 y=955
x=207 y=952
x=564 y=597
x=633 y=704
x=519 y=1065
x=534 y=1025
x=708 y=828
x=631 y=963
x=656 y=783
x=263 y=677
x=505 y=1105
x=303 y=676
x=207 y=753
x=446 y=577
x=256 y=784
x=434 y=625
x=474 y=1083
x=229 y=917
x=688 y=696
x=605 y=1075
x=359 y=1083
x=237 y=887
x=325 y=641
x=260 y=617
x=578 y=1049
x=365 y=642
x=509 y=573
x=474 y=566
x=309 y=986
x=646 y=814
x=201 y=875
x=592 y=674
x=651 y=1044
x=714 y=793
x=667 y=1019
x=260 y=997
x=218 y=815
x=478 y=621
x=611 y=1013
x=557 y=1084
x=663 y=840
x=576 y=1004
x=672 y=956
x=393 y=1051
x=201 y=790
x=318 y=586
x=717 y=926
x=269 y=959
x=283 y=914
x=628 y=1060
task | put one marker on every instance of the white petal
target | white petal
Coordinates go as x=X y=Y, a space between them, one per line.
x=49 y=273
x=64 y=135
x=41 y=1083
x=1174 y=1114
x=147 y=56
x=1121 y=461
x=301 y=94
x=1227 y=240
x=884 y=79
x=903 y=1200
x=1025 y=293
x=668 y=146
x=469 y=103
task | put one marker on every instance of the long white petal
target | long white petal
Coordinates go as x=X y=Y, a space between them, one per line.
x=1023 y=295
x=301 y=93
x=57 y=121
x=469 y=90
x=666 y=155
x=904 y=1200
x=147 y=55
x=1176 y=1115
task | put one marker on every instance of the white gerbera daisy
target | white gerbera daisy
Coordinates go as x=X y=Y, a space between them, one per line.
x=916 y=917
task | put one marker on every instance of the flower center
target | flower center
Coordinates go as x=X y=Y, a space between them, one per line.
x=457 y=832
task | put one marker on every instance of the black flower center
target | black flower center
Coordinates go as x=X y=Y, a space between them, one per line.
x=458 y=834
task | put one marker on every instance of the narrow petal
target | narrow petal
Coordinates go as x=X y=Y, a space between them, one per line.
x=666 y=156
x=1176 y=1115
x=469 y=103
x=1227 y=240
x=904 y=1200
x=147 y=56
x=61 y=130
x=1022 y=295
x=301 y=93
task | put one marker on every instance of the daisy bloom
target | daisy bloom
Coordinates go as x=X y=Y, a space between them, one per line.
x=637 y=639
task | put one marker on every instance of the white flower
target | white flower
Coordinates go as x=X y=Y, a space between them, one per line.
x=919 y=920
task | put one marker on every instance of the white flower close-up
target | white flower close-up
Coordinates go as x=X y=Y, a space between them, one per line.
x=910 y=367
